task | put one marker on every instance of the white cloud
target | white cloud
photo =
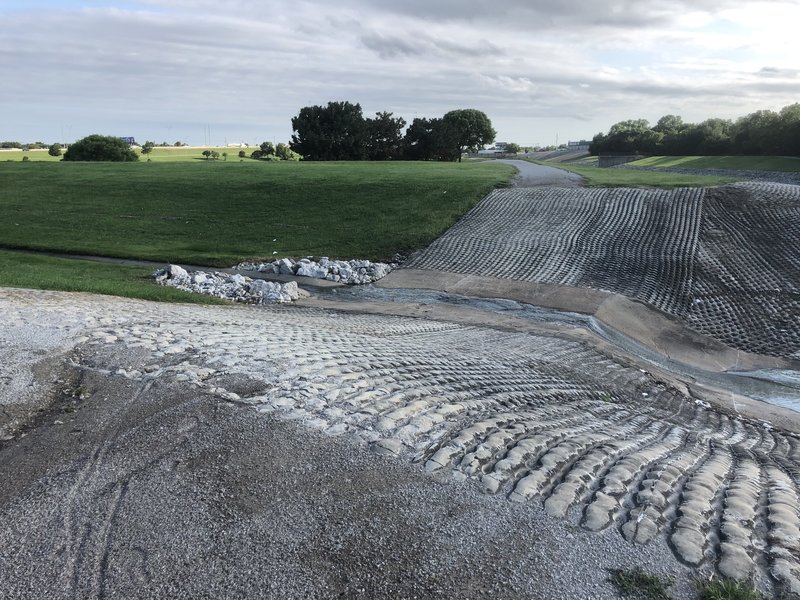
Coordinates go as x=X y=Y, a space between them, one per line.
x=164 y=69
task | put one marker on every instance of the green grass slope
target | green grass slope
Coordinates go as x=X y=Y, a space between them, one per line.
x=218 y=213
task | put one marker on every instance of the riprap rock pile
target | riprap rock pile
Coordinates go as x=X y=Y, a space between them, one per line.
x=351 y=272
x=235 y=287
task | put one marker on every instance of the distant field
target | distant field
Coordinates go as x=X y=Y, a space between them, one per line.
x=747 y=163
x=218 y=213
x=33 y=155
x=191 y=153
x=597 y=177
x=159 y=154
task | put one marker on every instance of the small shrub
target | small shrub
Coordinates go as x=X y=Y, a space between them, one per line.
x=639 y=584
x=726 y=589
x=25 y=158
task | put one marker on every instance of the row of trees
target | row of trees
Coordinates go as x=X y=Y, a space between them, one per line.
x=339 y=131
x=763 y=132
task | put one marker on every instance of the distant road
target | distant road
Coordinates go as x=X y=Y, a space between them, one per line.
x=533 y=175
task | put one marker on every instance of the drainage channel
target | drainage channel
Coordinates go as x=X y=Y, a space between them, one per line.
x=774 y=386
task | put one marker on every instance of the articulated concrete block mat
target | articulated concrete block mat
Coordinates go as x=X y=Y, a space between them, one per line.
x=540 y=421
x=724 y=260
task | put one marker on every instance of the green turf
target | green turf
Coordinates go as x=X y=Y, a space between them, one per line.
x=185 y=153
x=32 y=156
x=218 y=213
x=25 y=270
x=748 y=163
x=596 y=177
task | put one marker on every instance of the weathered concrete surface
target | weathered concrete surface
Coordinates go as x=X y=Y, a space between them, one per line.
x=158 y=457
x=151 y=475
x=652 y=328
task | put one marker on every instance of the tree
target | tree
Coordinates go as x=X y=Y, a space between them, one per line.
x=384 y=136
x=429 y=139
x=225 y=156
x=242 y=153
x=100 y=148
x=214 y=155
x=267 y=148
x=283 y=152
x=206 y=153
x=54 y=150
x=147 y=147
x=757 y=133
x=468 y=129
x=337 y=131
x=512 y=148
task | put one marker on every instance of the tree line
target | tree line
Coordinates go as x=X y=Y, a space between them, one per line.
x=339 y=131
x=764 y=132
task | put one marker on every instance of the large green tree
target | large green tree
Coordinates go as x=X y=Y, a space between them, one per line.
x=467 y=129
x=337 y=131
x=384 y=136
x=101 y=148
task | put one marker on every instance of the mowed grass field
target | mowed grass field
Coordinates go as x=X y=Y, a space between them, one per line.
x=218 y=213
x=158 y=154
x=745 y=163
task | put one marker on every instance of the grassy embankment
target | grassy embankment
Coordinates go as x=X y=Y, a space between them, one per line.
x=219 y=213
x=597 y=177
x=746 y=163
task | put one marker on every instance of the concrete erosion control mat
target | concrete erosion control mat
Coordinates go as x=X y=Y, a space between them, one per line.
x=539 y=420
x=723 y=260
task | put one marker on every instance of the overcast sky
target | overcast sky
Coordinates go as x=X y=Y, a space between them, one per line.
x=238 y=70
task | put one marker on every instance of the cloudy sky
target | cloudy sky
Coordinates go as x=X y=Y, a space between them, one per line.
x=222 y=71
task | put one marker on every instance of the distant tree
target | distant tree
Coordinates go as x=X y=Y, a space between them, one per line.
x=100 y=148
x=54 y=150
x=266 y=148
x=242 y=153
x=206 y=153
x=512 y=148
x=337 y=131
x=178 y=144
x=468 y=129
x=225 y=156
x=627 y=137
x=10 y=145
x=757 y=133
x=712 y=136
x=214 y=155
x=429 y=139
x=384 y=136
x=147 y=147
x=790 y=130
x=283 y=152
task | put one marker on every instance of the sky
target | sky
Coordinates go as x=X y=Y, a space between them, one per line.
x=230 y=71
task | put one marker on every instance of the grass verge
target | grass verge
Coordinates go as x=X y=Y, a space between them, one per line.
x=24 y=270
x=218 y=213
x=726 y=589
x=597 y=177
x=747 y=163
x=637 y=583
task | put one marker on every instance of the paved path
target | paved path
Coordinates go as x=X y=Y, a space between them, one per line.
x=533 y=175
